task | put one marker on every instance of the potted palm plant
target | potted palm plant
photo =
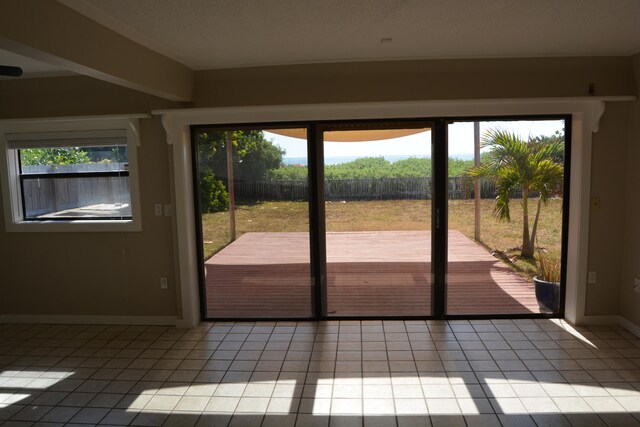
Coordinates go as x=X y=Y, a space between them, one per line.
x=547 y=284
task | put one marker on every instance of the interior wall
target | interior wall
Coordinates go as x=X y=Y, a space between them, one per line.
x=630 y=300
x=606 y=218
x=469 y=79
x=86 y=273
x=72 y=96
x=414 y=80
x=106 y=273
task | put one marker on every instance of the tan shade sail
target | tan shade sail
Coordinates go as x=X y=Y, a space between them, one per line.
x=352 y=135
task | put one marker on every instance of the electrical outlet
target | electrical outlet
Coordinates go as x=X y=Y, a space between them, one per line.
x=591 y=278
x=167 y=210
x=157 y=209
x=164 y=284
x=636 y=285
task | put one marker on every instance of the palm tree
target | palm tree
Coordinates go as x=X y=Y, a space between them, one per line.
x=534 y=166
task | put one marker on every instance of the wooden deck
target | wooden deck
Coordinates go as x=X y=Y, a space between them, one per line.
x=385 y=273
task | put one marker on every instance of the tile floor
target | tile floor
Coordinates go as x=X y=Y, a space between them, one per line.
x=347 y=373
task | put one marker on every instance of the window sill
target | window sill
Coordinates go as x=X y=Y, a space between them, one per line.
x=73 y=226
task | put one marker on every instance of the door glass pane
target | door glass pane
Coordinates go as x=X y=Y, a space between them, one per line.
x=255 y=223
x=377 y=187
x=504 y=216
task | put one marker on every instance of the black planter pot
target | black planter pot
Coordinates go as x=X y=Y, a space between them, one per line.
x=548 y=295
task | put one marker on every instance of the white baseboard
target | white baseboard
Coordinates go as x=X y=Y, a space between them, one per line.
x=88 y=320
x=630 y=326
x=612 y=320
x=599 y=320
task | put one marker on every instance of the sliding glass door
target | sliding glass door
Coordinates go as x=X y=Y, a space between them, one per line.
x=380 y=219
x=377 y=202
x=506 y=182
x=254 y=223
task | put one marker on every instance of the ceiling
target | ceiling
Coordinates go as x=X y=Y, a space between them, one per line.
x=211 y=34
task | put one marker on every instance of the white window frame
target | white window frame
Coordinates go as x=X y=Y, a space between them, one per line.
x=10 y=173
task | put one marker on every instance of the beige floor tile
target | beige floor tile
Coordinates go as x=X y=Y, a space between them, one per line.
x=475 y=406
x=443 y=406
x=378 y=407
x=222 y=404
x=258 y=390
x=192 y=403
x=252 y=405
x=162 y=403
x=377 y=391
x=410 y=406
x=283 y=405
x=318 y=406
x=536 y=405
x=346 y=406
x=438 y=391
x=570 y=405
x=347 y=391
x=605 y=404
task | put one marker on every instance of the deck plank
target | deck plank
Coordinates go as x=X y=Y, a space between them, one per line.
x=384 y=273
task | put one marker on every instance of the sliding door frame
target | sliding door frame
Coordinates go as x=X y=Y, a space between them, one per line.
x=313 y=208
x=354 y=125
x=566 y=198
x=439 y=227
x=439 y=197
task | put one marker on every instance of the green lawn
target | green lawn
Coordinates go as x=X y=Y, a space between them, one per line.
x=392 y=215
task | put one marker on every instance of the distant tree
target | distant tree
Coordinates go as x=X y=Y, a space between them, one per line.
x=253 y=154
x=532 y=166
x=110 y=154
x=253 y=157
x=53 y=156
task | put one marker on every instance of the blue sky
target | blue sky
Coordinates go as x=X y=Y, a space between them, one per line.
x=460 y=140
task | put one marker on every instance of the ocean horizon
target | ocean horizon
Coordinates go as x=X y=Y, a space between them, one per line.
x=336 y=160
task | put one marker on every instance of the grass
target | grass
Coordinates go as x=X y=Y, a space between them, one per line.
x=506 y=237
x=389 y=215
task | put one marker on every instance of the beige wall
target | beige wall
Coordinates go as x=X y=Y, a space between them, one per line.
x=469 y=79
x=72 y=96
x=606 y=223
x=87 y=273
x=414 y=80
x=629 y=300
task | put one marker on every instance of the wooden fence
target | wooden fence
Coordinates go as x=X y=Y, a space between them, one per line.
x=79 y=168
x=47 y=195
x=44 y=195
x=360 y=189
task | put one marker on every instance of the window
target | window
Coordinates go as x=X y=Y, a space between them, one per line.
x=66 y=175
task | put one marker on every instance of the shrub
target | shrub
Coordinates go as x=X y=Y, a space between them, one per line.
x=214 y=195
